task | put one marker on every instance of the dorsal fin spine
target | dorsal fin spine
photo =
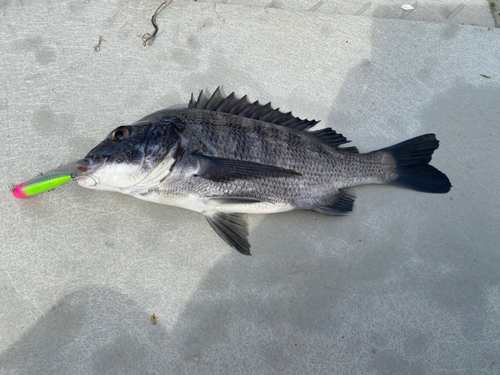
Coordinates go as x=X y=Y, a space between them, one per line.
x=192 y=102
x=227 y=103
x=214 y=100
x=240 y=105
x=269 y=116
x=201 y=101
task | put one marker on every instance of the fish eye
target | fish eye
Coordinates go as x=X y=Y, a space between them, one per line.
x=120 y=133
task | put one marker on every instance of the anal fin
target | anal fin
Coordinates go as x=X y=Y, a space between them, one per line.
x=232 y=228
x=341 y=206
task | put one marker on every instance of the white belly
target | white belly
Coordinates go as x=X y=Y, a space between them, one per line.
x=208 y=206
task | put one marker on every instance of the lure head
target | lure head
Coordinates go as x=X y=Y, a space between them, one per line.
x=19 y=192
x=129 y=156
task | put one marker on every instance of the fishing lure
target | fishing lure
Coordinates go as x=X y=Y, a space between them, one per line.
x=41 y=184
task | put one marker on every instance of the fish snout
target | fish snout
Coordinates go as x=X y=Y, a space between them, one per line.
x=89 y=164
x=83 y=165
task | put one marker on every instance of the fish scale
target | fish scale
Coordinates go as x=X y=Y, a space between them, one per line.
x=225 y=157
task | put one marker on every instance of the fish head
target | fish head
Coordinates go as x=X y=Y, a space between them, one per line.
x=132 y=158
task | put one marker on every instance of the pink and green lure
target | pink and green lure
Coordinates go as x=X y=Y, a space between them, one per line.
x=41 y=184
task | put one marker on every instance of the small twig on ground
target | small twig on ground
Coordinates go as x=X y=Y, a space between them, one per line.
x=97 y=48
x=149 y=37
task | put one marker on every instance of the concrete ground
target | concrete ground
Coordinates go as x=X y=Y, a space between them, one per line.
x=409 y=283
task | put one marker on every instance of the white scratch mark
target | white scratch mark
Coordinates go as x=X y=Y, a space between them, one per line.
x=363 y=8
x=457 y=10
x=24 y=298
x=316 y=6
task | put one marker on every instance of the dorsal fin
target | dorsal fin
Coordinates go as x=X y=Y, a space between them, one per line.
x=243 y=107
x=331 y=138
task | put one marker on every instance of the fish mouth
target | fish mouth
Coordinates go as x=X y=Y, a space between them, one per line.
x=88 y=166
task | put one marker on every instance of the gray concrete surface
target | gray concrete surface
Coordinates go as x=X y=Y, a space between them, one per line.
x=454 y=12
x=407 y=284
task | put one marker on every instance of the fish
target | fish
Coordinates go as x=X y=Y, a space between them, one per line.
x=226 y=157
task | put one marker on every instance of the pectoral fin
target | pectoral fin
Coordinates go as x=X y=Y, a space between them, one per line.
x=232 y=228
x=225 y=170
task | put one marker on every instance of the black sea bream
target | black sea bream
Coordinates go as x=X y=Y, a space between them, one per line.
x=225 y=157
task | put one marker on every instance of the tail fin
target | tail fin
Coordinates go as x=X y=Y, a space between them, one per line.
x=413 y=169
